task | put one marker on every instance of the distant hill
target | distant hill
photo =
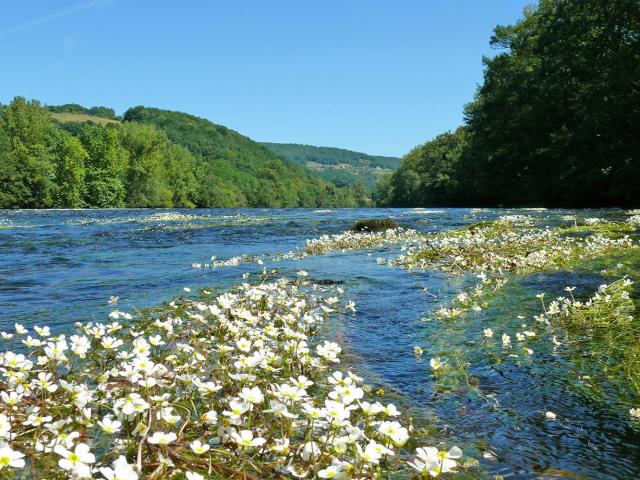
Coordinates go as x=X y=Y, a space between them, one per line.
x=253 y=174
x=69 y=156
x=337 y=165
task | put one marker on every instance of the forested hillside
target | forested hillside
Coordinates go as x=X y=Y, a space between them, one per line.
x=153 y=158
x=555 y=122
x=337 y=165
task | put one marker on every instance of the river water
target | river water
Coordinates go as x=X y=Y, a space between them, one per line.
x=60 y=267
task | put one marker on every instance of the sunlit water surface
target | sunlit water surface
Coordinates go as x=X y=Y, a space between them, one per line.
x=60 y=267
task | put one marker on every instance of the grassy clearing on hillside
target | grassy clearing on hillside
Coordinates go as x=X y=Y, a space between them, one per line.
x=82 y=117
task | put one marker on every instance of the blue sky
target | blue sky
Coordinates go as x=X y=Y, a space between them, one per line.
x=369 y=75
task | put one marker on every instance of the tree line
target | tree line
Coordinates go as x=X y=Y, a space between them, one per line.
x=136 y=163
x=556 y=121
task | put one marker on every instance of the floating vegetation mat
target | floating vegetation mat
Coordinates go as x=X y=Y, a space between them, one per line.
x=248 y=383
x=238 y=385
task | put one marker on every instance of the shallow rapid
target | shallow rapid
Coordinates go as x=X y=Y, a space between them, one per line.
x=61 y=267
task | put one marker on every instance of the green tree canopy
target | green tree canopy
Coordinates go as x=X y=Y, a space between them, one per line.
x=555 y=121
x=27 y=180
x=69 y=159
x=105 y=166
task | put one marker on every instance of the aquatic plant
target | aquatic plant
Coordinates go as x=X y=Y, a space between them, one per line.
x=358 y=240
x=606 y=325
x=499 y=247
x=238 y=385
x=600 y=334
x=474 y=300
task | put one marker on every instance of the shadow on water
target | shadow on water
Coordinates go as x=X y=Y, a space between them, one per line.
x=61 y=267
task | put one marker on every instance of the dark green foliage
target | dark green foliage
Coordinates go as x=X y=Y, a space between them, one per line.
x=106 y=166
x=10 y=184
x=329 y=155
x=180 y=167
x=145 y=176
x=427 y=174
x=238 y=172
x=69 y=158
x=104 y=112
x=339 y=166
x=373 y=225
x=67 y=108
x=155 y=159
x=556 y=120
x=27 y=174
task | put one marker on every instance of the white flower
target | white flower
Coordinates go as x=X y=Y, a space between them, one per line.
x=370 y=409
x=161 y=438
x=36 y=420
x=336 y=411
x=635 y=412
x=309 y=450
x=210 y=417
x=44 y=382
x=12 y=399
x=131 y=404
x=77 y=461
x=488 y=333
x=198 y=447
x=390 y=410
x=253 y=395
x=301 y=382
x=10 y=458
x=20 y=330
x=42 y=331
x=243 y=345
x=236 y=409
x=550 y=415
x=430 y=460
x=245 y=439
x=5 y=425
x=337 y=470
x=194 y=476
x=156 y=340
x=121 y=470
x=371 y=453
x=435 y=363
x=109 y=426
x=394 y=431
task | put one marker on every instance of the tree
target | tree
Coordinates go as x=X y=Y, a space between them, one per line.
x=180 y=168
x=146 y=174
x=104 y=112
x=28 y=178
x=554 y=122
x=105 y=166
x=70 y=156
